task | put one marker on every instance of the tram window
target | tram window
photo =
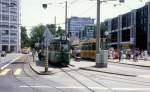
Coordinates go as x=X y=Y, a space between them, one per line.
x=93 y=47
x=82 y=47
x=65 y=47
x=86 y=47
x=90 y=47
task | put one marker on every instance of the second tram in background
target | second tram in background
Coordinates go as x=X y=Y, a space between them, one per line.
x=88 y=49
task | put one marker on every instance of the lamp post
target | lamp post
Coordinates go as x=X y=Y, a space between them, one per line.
x=66 y=14
x=101 y=55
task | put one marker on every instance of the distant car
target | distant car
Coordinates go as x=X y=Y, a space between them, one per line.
x=3 y=54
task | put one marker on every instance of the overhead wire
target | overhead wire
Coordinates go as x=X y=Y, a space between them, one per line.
x=87 y=10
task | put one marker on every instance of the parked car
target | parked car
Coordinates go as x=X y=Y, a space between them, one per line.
x=3 y=54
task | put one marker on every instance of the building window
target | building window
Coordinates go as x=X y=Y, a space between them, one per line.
x=114 y=37
x=5 y=17
x=126 y=35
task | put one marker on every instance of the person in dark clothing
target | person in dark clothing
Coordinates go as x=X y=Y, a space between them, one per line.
x=120 y=54
x=40 y=55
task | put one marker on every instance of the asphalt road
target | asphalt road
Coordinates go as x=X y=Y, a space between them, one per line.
x=18 y=77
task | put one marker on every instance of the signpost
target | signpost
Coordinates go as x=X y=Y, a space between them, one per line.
x=47 y=38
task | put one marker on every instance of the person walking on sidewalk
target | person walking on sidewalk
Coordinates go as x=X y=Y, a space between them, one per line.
x=120 y=54
x=135 y=55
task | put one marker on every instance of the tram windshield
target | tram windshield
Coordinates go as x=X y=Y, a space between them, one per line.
x=59 y=45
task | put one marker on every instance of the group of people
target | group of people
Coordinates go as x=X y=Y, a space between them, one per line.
x=134 y=54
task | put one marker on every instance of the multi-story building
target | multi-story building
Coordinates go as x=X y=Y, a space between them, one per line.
x=76 y=26
x=131 y=30
x=9 y=25
x=89 y=32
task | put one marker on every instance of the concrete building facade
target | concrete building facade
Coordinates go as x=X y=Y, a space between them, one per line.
x=9 y=25
x=131 y=30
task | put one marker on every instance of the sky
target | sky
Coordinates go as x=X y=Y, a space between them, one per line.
x=33 y=14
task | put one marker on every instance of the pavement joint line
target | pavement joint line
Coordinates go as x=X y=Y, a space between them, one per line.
x=80 y=87
x=20 y=77
x=108 y=72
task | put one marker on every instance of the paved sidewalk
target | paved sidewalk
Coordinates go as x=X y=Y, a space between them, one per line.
x=111 y=69
x=142 y=63
x=90 y=66
x=38 y=67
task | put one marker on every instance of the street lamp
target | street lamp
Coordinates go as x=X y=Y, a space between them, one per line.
x=66 y=12
x=101 y=55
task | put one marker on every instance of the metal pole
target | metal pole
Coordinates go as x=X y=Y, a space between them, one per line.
x=55 y=22
x=101 y=55
x=98 y=28
x=98 y=35
x=66 y=21
x=46 y=55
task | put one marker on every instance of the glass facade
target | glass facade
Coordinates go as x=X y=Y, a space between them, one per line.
x=76 y=26
x=130 y=29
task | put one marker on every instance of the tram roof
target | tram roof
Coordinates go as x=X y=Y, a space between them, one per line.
x=91 y=40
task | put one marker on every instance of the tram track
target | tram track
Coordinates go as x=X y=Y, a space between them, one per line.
x=90 y=89
x=132 y=81
x=33 y=78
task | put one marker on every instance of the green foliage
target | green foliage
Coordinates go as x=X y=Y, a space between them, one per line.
x=36 y=34
x=103 y=30
x=60 y=32
x=25 y=41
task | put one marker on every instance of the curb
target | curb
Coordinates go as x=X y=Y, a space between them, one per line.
x=39 y=73
x=109 y=72
x=11 y=61
x=130 y=64
x=34 y=69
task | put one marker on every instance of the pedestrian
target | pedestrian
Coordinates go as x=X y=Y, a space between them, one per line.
x=135 y=56
x=120 y=54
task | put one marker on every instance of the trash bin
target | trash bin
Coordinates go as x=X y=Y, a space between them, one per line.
x=102 y=59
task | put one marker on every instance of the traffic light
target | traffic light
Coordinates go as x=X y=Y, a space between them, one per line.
x=121 y=1
x=44 y=6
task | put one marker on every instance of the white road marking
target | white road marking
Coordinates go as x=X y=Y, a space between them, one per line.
x=18 y=71
x=4 y=72
x=36 y=87
x=144 y=76
x=100 y=88
x=22 y=77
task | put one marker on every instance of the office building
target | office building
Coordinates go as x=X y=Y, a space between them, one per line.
x=131 y=30
x=76 y=25
x=9 y=25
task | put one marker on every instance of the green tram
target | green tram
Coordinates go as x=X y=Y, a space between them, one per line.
x=59 y=54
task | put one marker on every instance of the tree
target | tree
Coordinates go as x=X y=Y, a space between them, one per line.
x=36 y=34
x=103 y=29
x=25 y=41
x=60 y=32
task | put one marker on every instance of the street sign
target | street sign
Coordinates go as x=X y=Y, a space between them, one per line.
x=47 y=36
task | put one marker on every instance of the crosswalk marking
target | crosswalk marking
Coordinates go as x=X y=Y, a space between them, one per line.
x=18 y=71
x=4 y=72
